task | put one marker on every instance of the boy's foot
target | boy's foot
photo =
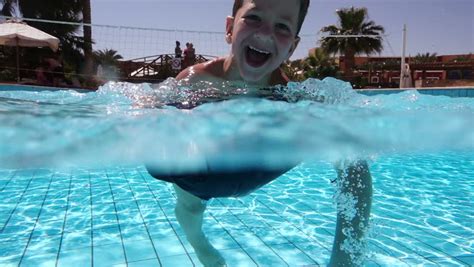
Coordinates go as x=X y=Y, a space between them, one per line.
x=209 y=256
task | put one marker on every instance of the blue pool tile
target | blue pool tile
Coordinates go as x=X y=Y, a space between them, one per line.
x=12 y=249
x=134 y=232
x=9 y=261
x=137 y=250
x=150 y=263
x=76 y=240
x=77 y=223
x=36 y=260
x=220 y=240
x=237 y=257
x=18 y=228
x=48 y=229
x=269 y=236
x=446 y=261
x=470 y=92
x=265 y=256
x=108 y=255
x=77 y=257
x=469 y=260
x=106 y=235
x=167 y=245
x=293 y=255
x=43 y=246
x=104 y=220
x=178 y=260
x=246 y=238
x=316 y=252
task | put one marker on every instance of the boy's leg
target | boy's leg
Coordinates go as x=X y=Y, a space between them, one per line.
x=354 y=199
x=189 y=212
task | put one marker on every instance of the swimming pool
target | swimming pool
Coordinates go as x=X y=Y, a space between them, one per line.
x=117 y=214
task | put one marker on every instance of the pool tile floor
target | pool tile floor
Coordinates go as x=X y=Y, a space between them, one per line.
x=124 y=217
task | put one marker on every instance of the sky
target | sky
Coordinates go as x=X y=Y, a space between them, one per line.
x=444 y=27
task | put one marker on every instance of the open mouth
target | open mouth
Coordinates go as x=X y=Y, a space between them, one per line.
x=256 y=57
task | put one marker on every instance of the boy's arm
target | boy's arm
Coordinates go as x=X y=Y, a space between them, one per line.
x=354 y=200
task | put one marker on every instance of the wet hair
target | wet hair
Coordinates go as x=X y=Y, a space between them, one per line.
x=304 y=4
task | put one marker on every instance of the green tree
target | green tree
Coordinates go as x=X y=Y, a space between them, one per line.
x=320 y=65
x=352 y=21
x=464 y=58
x=107 y=57
x=71 y=44
x=425 y=58
x=8 y=7
x=109 y=61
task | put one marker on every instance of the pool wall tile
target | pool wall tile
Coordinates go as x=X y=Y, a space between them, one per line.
x=470 y=92
x=452 y=92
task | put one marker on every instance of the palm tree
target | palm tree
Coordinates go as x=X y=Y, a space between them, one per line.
x=352 y=21
x=107 y=57
x=109 y=61
x=319 y=65
x=71 y=45
x=8 y=7
x=425 y=58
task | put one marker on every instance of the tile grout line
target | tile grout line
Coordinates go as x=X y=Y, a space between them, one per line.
x=9 y=180
x=92 y=218
x=273 y=228
x=166 y=216
x=227 y=231
x=116 y=216
x=143 y=220
x=37 y=218
x=374 y=244
x=16 y=206
x=246 y=226
x=65 y=218
x=324 y=216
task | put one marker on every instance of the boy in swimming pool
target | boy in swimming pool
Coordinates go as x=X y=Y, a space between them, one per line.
x=262 y=34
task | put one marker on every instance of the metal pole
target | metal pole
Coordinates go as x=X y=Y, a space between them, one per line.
x=402 y=64
x=17 y=61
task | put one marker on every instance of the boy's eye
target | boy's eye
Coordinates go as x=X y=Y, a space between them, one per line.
x=283 y=27
x=252 y=18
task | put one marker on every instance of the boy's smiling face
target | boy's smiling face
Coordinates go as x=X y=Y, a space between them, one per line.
x=263 y=35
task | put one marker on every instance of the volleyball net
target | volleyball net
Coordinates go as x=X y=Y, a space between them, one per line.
x=122 y=52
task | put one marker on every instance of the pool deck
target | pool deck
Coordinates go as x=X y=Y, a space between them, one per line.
x=124 y=217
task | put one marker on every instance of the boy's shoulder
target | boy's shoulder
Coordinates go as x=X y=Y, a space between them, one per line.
x=213 y=71
x=207 y=71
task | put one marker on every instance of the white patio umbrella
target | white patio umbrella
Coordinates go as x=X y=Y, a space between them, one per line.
x=14 y=33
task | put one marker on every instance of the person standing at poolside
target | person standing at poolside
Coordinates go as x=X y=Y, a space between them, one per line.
x=177 y=50
x=262 y=34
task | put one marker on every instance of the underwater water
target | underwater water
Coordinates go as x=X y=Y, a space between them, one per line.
x=74 y=189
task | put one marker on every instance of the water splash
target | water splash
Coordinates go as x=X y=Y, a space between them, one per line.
x=135 y=123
